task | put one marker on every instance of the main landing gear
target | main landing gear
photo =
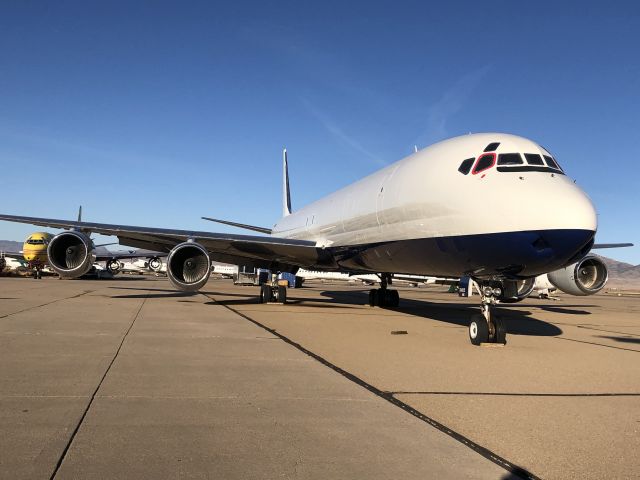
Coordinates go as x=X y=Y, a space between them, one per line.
x=487 y=327
x=384 y=297
x=271 y=292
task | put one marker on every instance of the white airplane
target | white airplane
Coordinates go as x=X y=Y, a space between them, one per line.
x=457 y=208
x=11 y=263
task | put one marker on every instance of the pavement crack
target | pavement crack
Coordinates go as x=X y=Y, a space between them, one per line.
x=510 y=394
x=597 y=344
x=515 y=470
x=47 y=303
x=95 y=391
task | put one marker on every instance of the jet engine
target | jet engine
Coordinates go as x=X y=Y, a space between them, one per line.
x=585 y=277
x=188 y=266
x=516 y=291
x=155 y=264
x=71 y=254
x=114 y=266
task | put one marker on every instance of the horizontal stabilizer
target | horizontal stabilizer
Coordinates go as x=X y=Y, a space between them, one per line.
x=240 y=225
x=610 y=245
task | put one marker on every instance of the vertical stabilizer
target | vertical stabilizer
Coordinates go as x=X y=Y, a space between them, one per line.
x=286 y=194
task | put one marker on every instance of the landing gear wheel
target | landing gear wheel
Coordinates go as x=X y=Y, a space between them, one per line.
x=478 y=330
x=282 y=294
x=383 y=297
x=373 y=297
x=265 y=293
x=394 y=298
x=501 y=331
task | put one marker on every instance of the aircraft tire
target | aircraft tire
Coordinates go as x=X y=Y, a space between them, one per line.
x=265 y=293
x=395 y=298
x=382 y=297
x=478 y=330
x=501 y=330
x=373 y=297
x=282 y=294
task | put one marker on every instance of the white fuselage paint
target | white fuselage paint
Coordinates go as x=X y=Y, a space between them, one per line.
x=424 y=196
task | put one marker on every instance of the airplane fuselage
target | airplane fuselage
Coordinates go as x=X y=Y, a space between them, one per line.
x=422 y=215
x=34 y=249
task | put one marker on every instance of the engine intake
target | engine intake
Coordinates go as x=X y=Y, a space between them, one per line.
x=585 y=277
x=188 y=266
x=155 y=264
x=71 y=254
x=114 y=266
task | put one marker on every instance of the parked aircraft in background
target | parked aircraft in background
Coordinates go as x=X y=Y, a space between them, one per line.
x=452 y=209
x=11 y=263
x=371 y=279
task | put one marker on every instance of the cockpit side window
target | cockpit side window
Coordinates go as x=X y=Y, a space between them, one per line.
x=485 y=161
x=533 y=159
x=466 y=165
x=551 y=162
x=492 y=147
x=509 y=159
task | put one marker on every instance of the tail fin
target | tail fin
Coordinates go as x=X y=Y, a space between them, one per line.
x=80 y=213
x=286 y=194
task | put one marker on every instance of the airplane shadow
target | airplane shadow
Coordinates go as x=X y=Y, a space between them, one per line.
x=517 y=321
x=157 y=295
x=621 y=339
x=163 y=293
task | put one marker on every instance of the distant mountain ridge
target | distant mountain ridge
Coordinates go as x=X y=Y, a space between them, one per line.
x=621 y=270
x=10 y=246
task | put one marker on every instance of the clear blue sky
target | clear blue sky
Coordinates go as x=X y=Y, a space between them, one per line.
x=156 y=113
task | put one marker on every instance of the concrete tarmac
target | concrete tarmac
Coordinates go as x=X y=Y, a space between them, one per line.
x=129 y=379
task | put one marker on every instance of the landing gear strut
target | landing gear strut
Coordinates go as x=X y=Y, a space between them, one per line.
x=271 y=292
x=384 y=297
x=37 y=273
x=487 y=327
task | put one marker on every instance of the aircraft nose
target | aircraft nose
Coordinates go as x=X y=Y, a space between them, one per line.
x=579 y=211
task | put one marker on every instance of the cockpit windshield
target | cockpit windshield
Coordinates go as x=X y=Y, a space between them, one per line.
x=510 y=162
x=35 y=241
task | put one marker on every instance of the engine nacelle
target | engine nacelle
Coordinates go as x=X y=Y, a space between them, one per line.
x=155 y=264
x=516 y=291
x=585 y=277
x=188 y=266
x=71 y=254
x=114 y=266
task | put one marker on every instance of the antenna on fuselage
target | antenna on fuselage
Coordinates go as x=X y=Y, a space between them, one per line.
x=286 y=193
x=80 y=213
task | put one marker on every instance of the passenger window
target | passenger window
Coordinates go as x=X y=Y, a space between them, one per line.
x=509 y=159
x=533 y=159
x=551 y=162
x=484 y=162
x=492 y=147
x=465 y=166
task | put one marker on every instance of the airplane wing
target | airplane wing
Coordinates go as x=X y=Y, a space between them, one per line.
x=223 y=247
x=610 y=245
x=17 y=255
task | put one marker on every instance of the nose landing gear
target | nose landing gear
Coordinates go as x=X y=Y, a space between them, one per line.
x=487 y=327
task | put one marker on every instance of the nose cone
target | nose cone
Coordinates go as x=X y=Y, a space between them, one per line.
x=570 y=225
x=576 y=210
